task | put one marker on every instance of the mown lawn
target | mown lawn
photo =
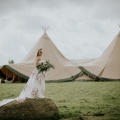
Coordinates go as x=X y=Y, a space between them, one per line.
x=78 y=100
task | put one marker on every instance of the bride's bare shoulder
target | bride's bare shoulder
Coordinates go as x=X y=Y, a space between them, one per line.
x=38 y=58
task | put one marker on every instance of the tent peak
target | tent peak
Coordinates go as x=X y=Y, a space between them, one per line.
x=45 y=35
x=119 y=34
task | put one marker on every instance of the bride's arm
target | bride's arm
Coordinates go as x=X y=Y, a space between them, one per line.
x=37 y=63
x=37 y=60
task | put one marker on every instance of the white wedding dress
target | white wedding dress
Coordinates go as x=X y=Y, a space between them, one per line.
x=34 y=88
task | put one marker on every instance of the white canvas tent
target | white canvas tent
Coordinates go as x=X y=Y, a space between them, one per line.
x=84 y=77
x=64 y=69
x=107 y=66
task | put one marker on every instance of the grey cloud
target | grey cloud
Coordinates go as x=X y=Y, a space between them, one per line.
x=50 y=4
x=107 y=10
x=8 y=6
x=11 y=6
x=76 y=25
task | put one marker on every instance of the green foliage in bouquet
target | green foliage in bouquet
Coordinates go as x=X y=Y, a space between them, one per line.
x=44 y=66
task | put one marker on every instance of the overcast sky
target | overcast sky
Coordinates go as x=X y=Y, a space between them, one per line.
x=79 y=28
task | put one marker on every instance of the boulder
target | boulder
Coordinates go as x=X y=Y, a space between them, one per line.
x=30 y=109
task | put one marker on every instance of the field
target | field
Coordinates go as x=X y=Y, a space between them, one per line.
x=78 y=100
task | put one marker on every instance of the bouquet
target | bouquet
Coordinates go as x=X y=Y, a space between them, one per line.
x=44 y=66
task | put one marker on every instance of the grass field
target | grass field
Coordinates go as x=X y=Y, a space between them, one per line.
x=78 y=100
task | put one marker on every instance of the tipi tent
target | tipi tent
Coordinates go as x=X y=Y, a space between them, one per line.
x=64 y=69
x=107 y=66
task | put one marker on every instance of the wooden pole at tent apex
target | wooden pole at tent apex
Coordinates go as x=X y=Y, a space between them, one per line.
x=45 y=29
x=119 y=26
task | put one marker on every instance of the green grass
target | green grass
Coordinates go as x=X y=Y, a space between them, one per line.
x=78 y=100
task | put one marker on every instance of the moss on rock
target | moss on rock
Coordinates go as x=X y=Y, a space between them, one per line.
x=30 y=109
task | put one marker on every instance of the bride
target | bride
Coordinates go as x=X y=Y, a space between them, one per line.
x=35 y=87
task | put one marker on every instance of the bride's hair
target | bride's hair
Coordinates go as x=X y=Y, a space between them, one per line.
x=38 y=51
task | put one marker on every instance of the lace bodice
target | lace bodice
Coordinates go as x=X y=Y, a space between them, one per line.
x=41 y=61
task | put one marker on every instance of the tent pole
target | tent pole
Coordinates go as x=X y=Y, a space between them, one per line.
x=6 y=73
x=8 y=76
x=13 y=77
x=18 y=79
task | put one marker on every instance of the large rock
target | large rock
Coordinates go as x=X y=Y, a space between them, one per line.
x=30 y=109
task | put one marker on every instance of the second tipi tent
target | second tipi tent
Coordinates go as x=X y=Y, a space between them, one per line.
x=64 y=69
